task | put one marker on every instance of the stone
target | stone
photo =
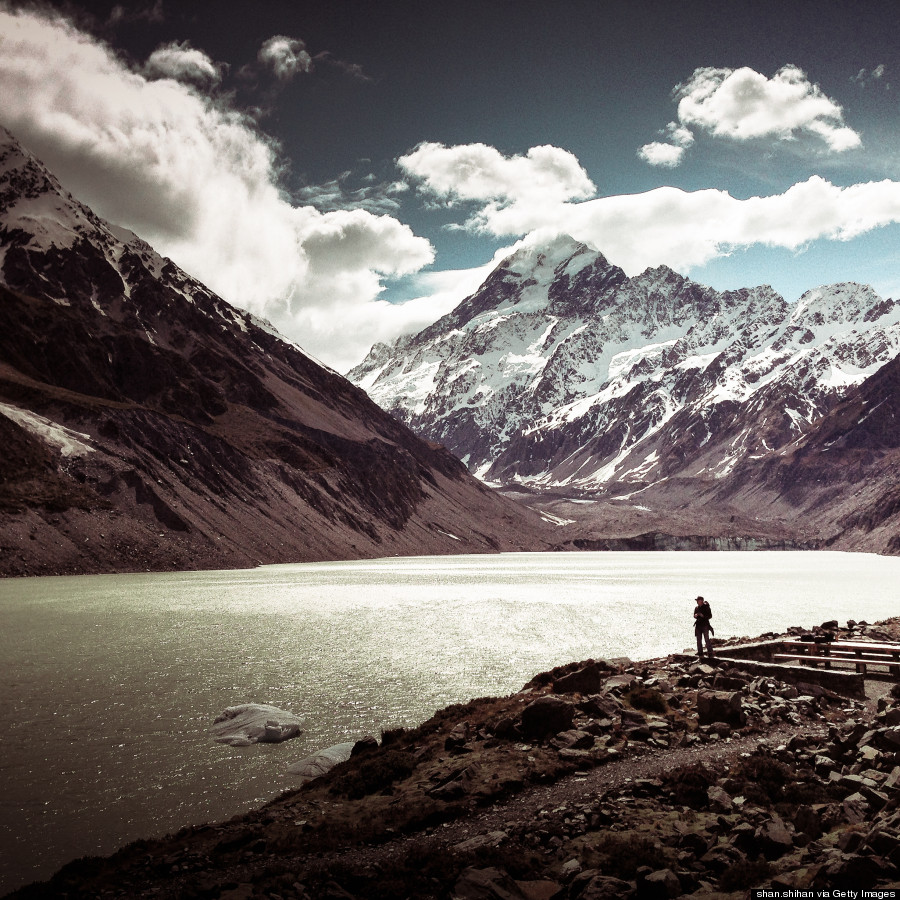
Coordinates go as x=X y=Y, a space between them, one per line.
x=808 y=821
x=486 y=884
x=333 y=891
x=254 y=723
x=720 y=706
x=774 y=838
x=319 y=763
x=456 y=740
x=570 y=868
x=547 y=715
x=457 y=784
x=241 y=892
x=856 y=810
x=364 y=745
x=587 y=680
x=542 y=889
x=719 y=800
x=659 y=885
x=605 y=887
x=619 y=683
x=889 y=738
x=850 y=841
x=573 y=739
x=480 y=841
x=600 y=706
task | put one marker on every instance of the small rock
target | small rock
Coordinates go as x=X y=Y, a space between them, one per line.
x=486 y=884
x=660 y=885
x=480 y=841
x=774 y=838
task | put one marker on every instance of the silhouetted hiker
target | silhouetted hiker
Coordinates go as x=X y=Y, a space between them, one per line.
x=702 y=628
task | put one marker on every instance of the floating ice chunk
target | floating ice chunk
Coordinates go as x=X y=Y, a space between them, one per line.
x=255 y=723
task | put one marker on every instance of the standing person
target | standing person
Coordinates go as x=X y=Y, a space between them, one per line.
x=702 y=627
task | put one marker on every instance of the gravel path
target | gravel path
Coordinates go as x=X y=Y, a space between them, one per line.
x=578 y=788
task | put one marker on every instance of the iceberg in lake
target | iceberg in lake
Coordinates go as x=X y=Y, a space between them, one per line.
x=254 y=723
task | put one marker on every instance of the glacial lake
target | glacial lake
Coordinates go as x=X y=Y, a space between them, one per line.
x=110 y=683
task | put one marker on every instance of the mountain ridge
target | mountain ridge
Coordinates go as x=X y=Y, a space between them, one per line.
x=649 y=385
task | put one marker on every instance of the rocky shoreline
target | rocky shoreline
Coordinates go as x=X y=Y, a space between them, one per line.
x=665 y=778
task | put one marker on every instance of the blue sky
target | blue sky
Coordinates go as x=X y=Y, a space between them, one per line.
x=349 y=170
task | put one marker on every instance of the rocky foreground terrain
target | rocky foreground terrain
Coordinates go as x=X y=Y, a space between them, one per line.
x=666 y=778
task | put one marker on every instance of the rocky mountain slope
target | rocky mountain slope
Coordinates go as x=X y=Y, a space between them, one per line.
x=148 y=424
x=564 y=379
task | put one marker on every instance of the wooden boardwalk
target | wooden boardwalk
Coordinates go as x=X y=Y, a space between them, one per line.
x=868 y=657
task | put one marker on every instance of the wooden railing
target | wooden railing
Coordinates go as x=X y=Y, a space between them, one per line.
x=843 y=654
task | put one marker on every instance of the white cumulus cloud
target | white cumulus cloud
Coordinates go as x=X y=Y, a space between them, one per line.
x=285 y=56
x=742 y=104
x=182 y=62
x=198 y=181
x=501 y=187
x=668 y=154
x=683 y=229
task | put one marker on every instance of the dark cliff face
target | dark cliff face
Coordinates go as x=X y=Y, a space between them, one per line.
x=151 y=425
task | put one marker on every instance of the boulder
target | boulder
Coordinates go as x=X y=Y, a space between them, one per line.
x=540 y=889
x=254 y=723
x=586 y=680
x=321 y=762
x=601 y=706
x=573 y=739
x=773 y=838
x=547 y=715
x=720 y=706
x=364 y=745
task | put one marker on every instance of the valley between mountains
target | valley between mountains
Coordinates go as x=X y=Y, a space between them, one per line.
x=149 y=425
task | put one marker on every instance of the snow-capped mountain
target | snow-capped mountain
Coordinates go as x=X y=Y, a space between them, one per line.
x=146 y=423
x=560 y=373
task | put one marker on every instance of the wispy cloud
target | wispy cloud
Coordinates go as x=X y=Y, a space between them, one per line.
x=742 y=104
x=340 y=193
x=285 y=56
x=865 y=77
x=196 y=178
x=137 y=13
